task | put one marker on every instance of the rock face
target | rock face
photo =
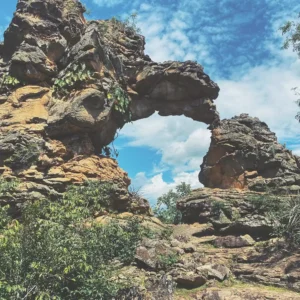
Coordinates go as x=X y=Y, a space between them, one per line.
x=245 y=154
x=247 y=175
x=67 y=85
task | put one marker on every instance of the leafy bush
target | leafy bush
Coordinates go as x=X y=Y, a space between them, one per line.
x=8 y=186
x=129 y=24
x=218 y=207
x=57 y=251
x=168 y=260
x=8 y=82
x=166 y=209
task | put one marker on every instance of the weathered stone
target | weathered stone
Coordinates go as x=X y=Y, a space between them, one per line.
x=234 y=241
x=218 y=272
x=190 y=280
x=245 y=153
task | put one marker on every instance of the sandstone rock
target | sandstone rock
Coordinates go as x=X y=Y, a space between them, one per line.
x=245 y=153
x=68 y=127
x=190 y=280
x=230 y=211
x=234 y=241
x=218 y=272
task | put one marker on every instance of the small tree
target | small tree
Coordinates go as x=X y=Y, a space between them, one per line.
x=166 y=209
x=58 y=251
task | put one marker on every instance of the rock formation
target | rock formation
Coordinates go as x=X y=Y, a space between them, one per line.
x=67 y=85
x=245 y=154
x=247 y=176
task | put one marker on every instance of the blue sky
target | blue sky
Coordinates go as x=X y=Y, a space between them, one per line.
x=238 y=43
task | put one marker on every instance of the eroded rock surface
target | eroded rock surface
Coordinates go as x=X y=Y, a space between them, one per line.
x=245 y=154
x=67 y=85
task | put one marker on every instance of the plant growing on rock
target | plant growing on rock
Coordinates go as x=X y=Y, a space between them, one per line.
x=76 y=75
x=286 y=221
x=8 y=186
x=129 y=24
x=8 y=82
x=121 y=103
x=166 y=209
x=218 y=207
x=166 y=261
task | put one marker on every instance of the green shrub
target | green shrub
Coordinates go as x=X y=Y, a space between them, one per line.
x=167 y=260
x=218 y=207
x=8 y=186
x=8 y=82
x=284 y=213
x=166 y=209
x=58 y=251
x=265 y=203
x=129 y=24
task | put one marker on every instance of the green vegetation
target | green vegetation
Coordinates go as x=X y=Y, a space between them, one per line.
x=166 y=209
x=8 y=82
x=218 y=207
x=129 y=24
x=24 y=155
x=76 y=75
x=121 y=103
x=8 y=186
x=287 y=221
x=57 y=250
x=284 y=213
x=166 y=261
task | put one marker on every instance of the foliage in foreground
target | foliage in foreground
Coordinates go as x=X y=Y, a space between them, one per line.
x=166 y=209
x=57 y=251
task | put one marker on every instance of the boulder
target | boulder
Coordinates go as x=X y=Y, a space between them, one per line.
x=244 y=153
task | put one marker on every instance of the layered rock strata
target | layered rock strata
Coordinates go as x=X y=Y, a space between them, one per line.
x=245 y=154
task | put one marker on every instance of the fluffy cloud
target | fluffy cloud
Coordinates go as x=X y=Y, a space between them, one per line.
x=265 y=92
x=181 y=142
x=152 y=188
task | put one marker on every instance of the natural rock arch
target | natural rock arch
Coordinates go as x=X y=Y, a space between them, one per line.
x=50 y=138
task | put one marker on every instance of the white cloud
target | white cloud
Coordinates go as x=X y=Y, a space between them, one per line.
x=181 y=142
x=264 y=92
x=156 y=186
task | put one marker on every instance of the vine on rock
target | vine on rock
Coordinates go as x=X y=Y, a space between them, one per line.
x=121 y=103
x=76 y=75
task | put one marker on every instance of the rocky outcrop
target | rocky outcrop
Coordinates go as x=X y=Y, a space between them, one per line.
x=67 y=85
x=245 y=154
x=229 y=211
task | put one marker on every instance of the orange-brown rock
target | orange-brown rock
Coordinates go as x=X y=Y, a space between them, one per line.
x=245 y=154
